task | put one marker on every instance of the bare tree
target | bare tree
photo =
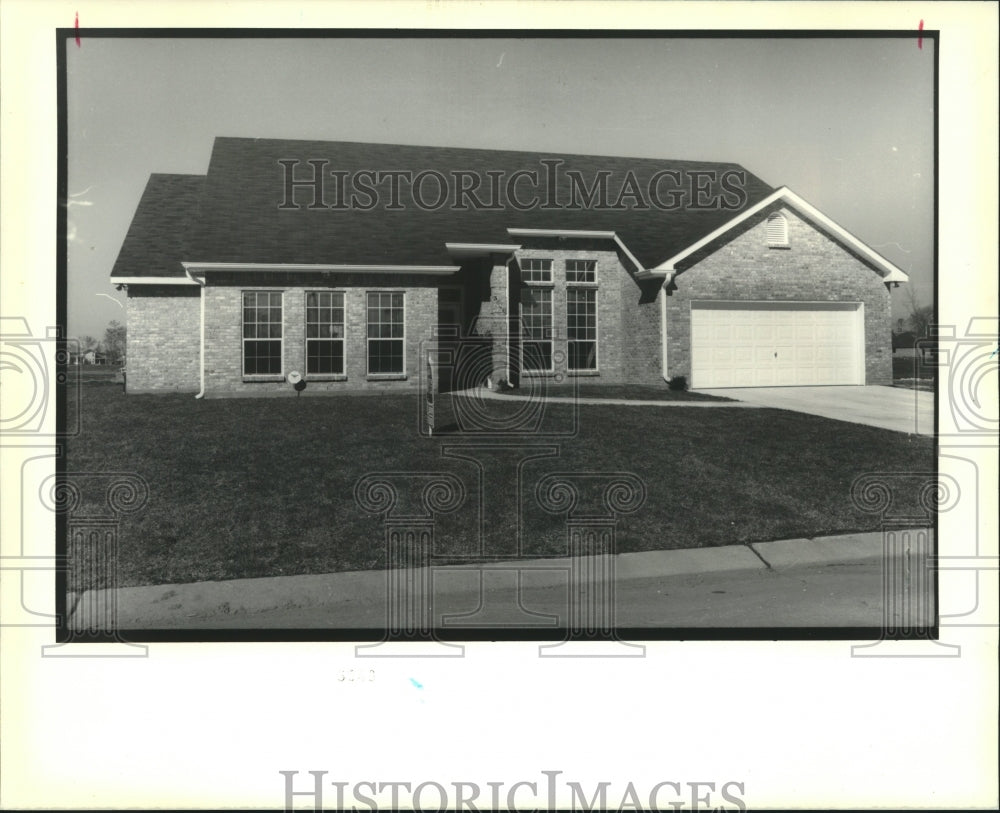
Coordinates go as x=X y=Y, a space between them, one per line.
x=920 y=317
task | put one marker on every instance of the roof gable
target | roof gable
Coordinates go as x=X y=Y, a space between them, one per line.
x=887 y=270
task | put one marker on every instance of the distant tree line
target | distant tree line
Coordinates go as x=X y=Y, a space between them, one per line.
x=108 y=350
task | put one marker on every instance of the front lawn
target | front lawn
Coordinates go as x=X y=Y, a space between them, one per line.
x=264 y=486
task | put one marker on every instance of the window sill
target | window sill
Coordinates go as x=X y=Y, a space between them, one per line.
x=331 y=377
x=583 y=373
x=538 y=373
x=262 y=379
x=386 y=377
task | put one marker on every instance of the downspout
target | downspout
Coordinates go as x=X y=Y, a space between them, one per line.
x=510 y=323
x=201 y=331
x=663 y=325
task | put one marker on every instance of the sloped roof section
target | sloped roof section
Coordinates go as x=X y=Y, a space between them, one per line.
x=234 y=214
x=240 y=219
x=154 y=244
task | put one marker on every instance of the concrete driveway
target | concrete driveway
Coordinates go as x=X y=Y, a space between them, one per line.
x=901 y=410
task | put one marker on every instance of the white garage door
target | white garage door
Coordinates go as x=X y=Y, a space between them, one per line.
x=776 y=344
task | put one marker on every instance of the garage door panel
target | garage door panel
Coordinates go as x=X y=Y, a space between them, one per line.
x=762 y=345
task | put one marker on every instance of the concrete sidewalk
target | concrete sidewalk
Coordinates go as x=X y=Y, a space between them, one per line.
x=361 y=595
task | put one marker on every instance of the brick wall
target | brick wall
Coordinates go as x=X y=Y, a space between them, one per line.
x=164 y=334
x=162 y=341
x=614 y=287
x=224 y=332
x=163 y=321
x=813 y=268
x=641 y=329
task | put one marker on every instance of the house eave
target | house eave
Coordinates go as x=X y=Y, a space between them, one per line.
x=466 y=250
x=324 y=268
x=119 y=281
x=570 y=233
x=641 y=272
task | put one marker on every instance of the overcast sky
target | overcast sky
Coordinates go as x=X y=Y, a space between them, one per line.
x=845 y=123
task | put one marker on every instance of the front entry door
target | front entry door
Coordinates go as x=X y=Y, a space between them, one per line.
x=451 y=328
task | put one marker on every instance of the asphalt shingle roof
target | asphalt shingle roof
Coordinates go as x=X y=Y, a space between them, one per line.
x=238 y=219
x=154 y=244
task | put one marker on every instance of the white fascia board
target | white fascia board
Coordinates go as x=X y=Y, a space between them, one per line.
x=152 y=281
x=667 y=266
x=641 y=272
x=201 y=268
x=891 y=273
x=579 y=234
x=494 y=248
x=460 y=250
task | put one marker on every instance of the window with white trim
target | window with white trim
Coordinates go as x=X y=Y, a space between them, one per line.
x=324 y=333
x=262 y=333
x=385 y=333
x=536 y=270
x=581 y=328
x=536 y=322
x=581 y=271
x=777 y=230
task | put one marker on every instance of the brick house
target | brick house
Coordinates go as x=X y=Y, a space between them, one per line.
x=341 y=261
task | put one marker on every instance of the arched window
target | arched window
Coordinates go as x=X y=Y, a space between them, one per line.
x=777 y=230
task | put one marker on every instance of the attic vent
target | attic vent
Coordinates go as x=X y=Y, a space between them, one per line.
x=777 y=230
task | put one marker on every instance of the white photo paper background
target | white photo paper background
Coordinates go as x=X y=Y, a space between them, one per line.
x=723 y=724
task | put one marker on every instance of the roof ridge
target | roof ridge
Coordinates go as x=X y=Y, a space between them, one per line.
x=506 y=151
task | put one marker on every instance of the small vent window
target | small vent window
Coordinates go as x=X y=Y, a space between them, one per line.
x=777 y=230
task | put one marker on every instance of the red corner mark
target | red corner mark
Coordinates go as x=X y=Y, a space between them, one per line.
x=920 y=40
x=76 y=25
